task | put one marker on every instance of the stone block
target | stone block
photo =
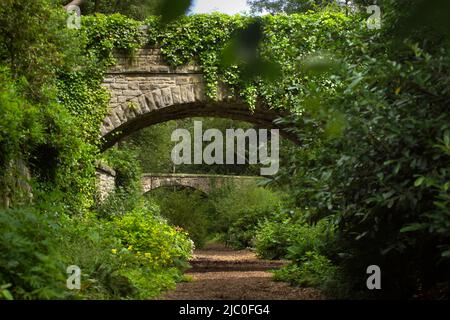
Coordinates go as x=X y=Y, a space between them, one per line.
x=167 y=96
x=157 y=97
x=131 y=93
x=176 y=95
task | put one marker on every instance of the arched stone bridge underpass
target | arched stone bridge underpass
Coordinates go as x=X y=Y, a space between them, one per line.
x=203 y=182
x=145 y=91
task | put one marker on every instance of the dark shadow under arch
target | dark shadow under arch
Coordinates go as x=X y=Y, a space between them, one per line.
x=261 y=117
x=179 y=187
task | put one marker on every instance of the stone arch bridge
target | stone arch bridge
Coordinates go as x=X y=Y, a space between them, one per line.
x=145 y=91
x=203 y=182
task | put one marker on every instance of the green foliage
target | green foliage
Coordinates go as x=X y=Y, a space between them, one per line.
x=314 y=270
x=370 y=175
x=238 y=211
x=87 y=243
x=52 y=99
x=285 y=39
x=82 y=95
x=147 y=234
x=308 y=247
x=187 y=209
x=35 y=43
x=287 y=235
x=4 y=292
x=19 y=130
x=150 y=282
x=48 y=139
x=128 y=190
x=106 y=33
x=287 y=6
x=137 y=9
x=436 y=220
x=29 y=261
x=128 y=171
x=371 y=112
x=229 y=213
x=153 y=147
x=134 y=256
x=200 y=37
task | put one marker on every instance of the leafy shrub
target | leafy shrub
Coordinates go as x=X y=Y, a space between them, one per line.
x=308 y=246
x=273 y=237
x=150 y=282
x=128 y=170
x=117 y=203
x=128 y=190
x=187 y=209
x=383 y=174
x=145 y=232
x=239 y=209
x=289 y=236
x=30 y=266
x=314 y=270
x=112 y=268
x=134 y=256
x=88 y=242
x=241 y=232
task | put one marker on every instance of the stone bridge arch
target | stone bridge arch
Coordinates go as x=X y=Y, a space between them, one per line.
x=145 y=91
x=203 y=182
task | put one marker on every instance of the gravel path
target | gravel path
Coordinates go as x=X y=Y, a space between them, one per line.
x=220 y=273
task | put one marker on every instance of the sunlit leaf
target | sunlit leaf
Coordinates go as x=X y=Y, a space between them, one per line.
x=419 y=181
x=412 y=227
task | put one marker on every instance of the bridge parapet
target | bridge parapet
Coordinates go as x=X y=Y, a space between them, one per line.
x=203 y=182
x=149 y=60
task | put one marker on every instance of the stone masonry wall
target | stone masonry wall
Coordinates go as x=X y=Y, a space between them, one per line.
x=144 y=83
x=106 y=181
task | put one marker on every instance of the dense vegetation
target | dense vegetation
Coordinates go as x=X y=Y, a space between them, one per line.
x=52 y=104
x=369 y=183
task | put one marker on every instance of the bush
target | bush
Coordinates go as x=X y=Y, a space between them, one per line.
x=239 y=210
x=314 y=270
x=137 y=255
x=307 y=246
x=376 y=157
x=241 y=233
x=146 y=233
x=187 y=209
x=30 y=266
x=127 y=192
x=87 y=242
x=289 y=236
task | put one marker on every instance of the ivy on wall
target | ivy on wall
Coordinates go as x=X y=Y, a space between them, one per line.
x=81 y=103
x=208 y=40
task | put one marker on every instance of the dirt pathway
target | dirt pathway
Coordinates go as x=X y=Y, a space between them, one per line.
x=225 y=274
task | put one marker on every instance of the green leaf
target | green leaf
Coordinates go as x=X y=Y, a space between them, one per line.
x=446 y=254
x=413 y=227
x=7 y=295
x=419 y=181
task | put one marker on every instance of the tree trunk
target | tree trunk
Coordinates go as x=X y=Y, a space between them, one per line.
x=97 y=6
